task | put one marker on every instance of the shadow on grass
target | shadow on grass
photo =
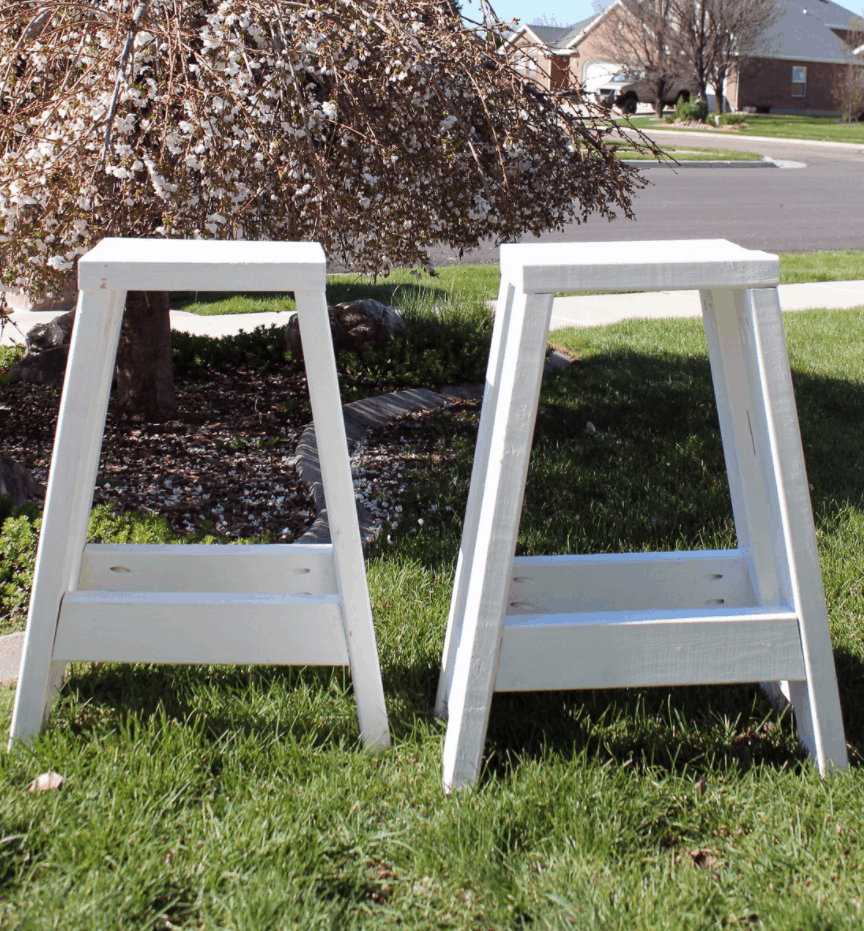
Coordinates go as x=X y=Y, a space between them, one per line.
x=651 y=477
x=313 y=706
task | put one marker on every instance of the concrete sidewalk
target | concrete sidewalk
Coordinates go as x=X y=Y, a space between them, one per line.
x=583 y=311
x=603 y=309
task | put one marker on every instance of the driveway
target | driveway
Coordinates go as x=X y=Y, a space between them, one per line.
x=805 y=209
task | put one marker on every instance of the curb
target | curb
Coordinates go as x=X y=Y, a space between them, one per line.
x=695 y=163
x=360 y=417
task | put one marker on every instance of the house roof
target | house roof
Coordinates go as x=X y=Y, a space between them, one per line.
x=575 y=31
x=804 y=32
x=549 y=35
x=553 y=37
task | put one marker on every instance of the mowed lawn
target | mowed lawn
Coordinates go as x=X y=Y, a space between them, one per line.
x=816 y=128
x=225 y=797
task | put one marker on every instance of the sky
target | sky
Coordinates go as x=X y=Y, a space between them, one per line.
x=544 y=12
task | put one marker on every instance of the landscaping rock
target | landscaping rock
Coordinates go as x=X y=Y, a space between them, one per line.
x=51 y=335
x=355 y=325
x=11 y=647
x=18 y=483
x=43 y=368
x=47 y=352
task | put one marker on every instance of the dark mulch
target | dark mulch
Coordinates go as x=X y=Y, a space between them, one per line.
x=225 y=465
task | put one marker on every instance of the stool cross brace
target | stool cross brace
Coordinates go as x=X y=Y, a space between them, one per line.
x=753 y=614
x=278 y=604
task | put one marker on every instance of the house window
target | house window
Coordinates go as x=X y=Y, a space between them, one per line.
x=799 y=81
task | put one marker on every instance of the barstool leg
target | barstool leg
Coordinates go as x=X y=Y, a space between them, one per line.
x=816 y=704
x=342 y=512
x=472 y=510
x=497 y=525
x=69 y=497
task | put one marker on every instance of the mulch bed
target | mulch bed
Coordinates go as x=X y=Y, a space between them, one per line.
x=225 y=465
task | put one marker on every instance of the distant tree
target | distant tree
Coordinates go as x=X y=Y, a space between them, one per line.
x=849 y=81
x=379 y=129
x=727 y=34
x=640 y=35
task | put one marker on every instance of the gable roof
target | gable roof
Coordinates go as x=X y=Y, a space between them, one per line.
x=549 y=35
x=553 y=37
x=804 y=32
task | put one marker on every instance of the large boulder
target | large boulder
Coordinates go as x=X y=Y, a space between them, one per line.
x=47 y=352
x=355 y=325
x=51 y=335
x=18 y=483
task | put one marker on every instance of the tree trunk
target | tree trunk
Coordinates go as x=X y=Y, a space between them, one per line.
x=658 y=108
x=145 y=377
x=718 y=97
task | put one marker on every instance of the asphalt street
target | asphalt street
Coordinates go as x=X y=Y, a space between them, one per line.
x=792 y=209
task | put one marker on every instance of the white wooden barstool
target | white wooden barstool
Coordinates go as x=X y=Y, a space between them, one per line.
x=753 y=614
x=273 y=604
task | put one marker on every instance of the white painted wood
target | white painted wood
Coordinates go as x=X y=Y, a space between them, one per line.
x=630 y=582
x=676 y=265
x=274 y=568
x=595 y=650
x=246 y=604
x=770 y=360
x=201 y=627
x=479 y=469
x=71 y=482
x=195 y=265
x=741 y=435
x=748 y=615
x=497 y=526
x=342 y=514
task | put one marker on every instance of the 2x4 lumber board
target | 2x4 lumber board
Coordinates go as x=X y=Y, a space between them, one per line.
x=630 y=582
x=274 y=568
x=194 y=265
x=672 y=265
x=350 y=570
x=69 y=496
x=640 y=649
x=198 y=627
x=467 y=544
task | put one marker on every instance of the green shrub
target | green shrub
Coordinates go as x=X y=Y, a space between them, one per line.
x=9 y=355
x=446 y=344
x=260 y=350
x=695 y=110
x=732 y=119
x=18 y=538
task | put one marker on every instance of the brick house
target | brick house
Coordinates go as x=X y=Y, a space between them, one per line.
x=794 y=73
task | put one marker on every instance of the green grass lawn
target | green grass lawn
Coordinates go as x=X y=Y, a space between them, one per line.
x=819 y=128
x=686 y=154
x=223 y=797
x=470 y=284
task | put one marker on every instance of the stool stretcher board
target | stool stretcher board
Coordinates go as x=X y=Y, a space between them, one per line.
x=753 y=614
x=276 y=604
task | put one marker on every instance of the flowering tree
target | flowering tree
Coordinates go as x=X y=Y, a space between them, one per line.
x=377 y=128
